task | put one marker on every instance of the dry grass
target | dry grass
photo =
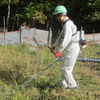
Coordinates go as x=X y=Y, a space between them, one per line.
x=17 y=66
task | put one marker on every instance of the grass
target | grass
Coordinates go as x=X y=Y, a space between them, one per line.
x=17 y=66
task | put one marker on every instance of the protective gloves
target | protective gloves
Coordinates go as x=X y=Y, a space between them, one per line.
x=57 y=54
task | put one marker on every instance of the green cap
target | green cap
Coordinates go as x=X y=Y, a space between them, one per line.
x=60 y=9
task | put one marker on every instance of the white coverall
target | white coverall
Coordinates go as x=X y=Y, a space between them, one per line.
x=70 y=44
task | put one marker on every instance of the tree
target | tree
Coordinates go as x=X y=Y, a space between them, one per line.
x=90 y=10
x=33 y=11
x=8 y=14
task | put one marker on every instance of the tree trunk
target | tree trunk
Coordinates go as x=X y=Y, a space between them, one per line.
x=8 y=16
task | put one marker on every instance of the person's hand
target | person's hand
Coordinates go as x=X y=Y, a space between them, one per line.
x=57 y=54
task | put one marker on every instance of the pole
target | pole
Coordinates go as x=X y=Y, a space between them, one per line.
x=4 y=28
x=58 y=59
x=20 y=35
x=49 y=36
x=93 y=35
x=81 y=32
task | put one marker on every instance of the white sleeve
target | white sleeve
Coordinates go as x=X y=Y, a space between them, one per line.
x=67 y=31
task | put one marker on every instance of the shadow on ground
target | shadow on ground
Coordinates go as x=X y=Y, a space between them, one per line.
x=11 y=77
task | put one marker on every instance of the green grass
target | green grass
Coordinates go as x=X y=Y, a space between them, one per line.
x=17 y=66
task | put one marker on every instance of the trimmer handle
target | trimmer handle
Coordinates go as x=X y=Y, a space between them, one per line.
x=52 y=51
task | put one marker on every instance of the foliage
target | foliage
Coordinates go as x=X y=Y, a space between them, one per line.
x=34 y=13
x=7 y=1
x=17 y=66
x=90 y=10
x=81 y=11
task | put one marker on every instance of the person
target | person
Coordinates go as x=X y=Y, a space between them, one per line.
x=68 y=41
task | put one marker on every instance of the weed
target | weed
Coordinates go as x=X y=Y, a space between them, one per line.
x=17 y=65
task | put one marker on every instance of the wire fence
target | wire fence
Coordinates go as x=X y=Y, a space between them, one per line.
x=32 y=36
x=37 y=37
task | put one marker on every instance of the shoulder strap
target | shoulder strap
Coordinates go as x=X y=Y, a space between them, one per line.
x=72 y=21
x=66 y=21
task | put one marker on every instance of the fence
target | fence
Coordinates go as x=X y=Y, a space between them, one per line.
x=94 y=37
x=36 y=37
x=31 y=36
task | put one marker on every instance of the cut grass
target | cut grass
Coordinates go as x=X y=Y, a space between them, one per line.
x=17 y=66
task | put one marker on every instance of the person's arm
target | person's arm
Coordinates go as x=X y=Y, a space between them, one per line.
x=67 y=29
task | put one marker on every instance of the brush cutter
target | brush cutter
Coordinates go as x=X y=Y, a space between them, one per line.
x=52 y=51
x=57 y=59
